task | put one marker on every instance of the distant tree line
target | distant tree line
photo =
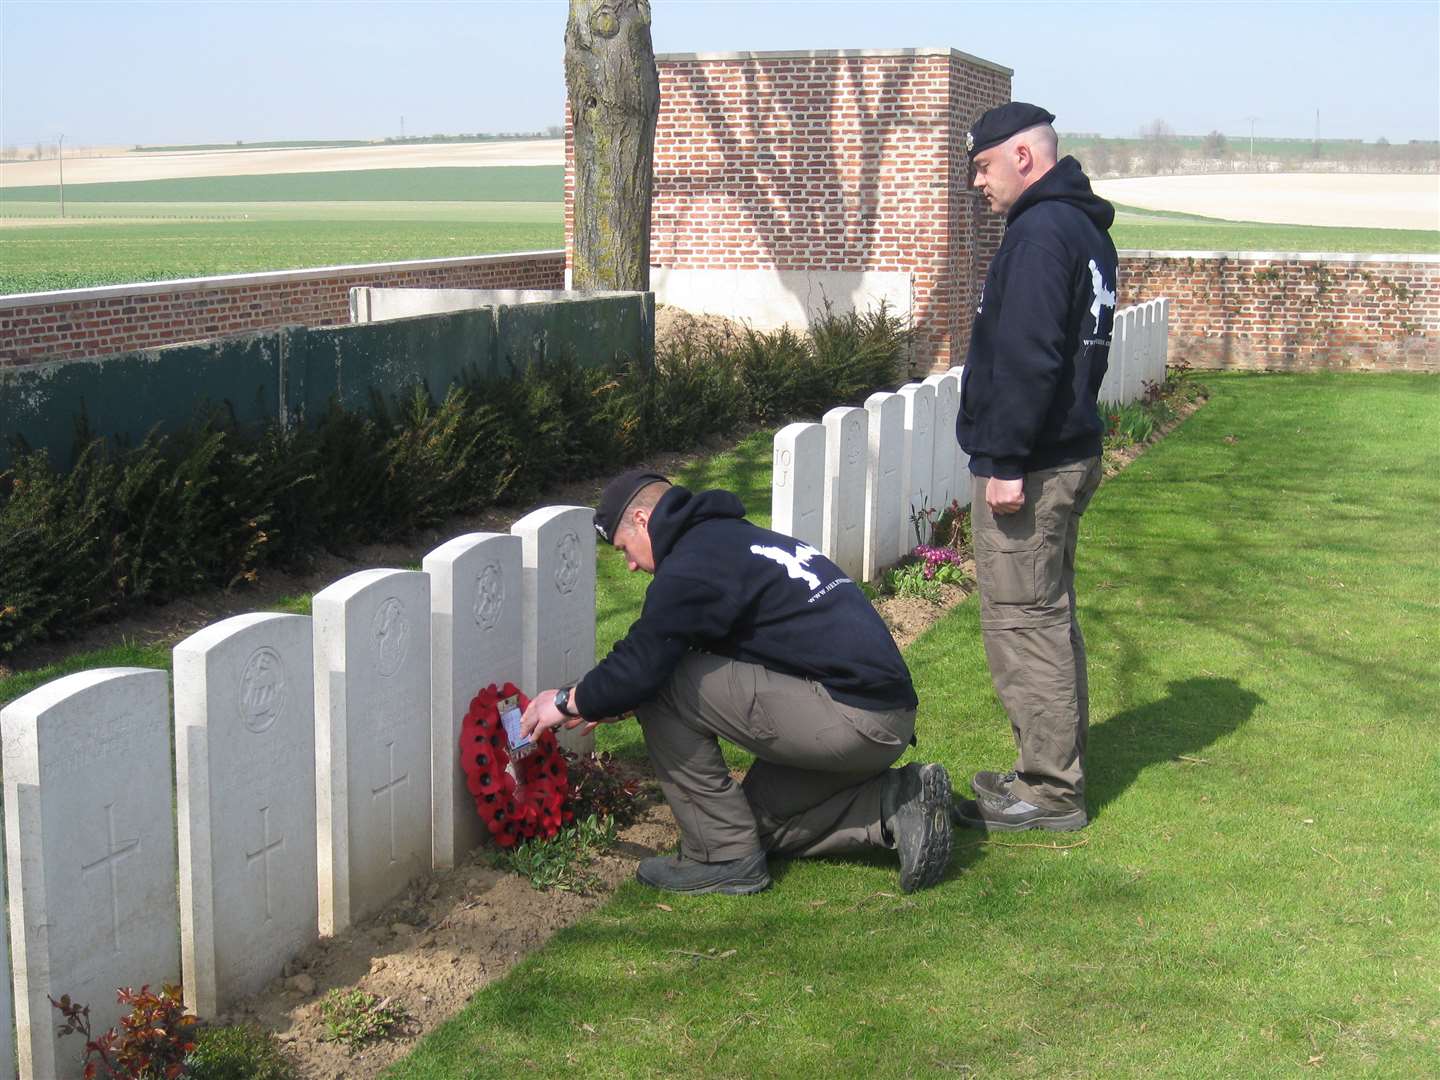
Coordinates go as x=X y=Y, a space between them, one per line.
x=1157 y=150
x=554 y=131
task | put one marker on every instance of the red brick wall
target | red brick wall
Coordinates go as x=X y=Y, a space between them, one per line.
x=833 y=161
x=81 y=323
x=1291 y=312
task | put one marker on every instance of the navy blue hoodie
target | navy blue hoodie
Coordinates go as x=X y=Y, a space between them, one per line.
x=1041 y=340
x=726 y=586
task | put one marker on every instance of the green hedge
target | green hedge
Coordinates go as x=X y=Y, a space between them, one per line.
x=212 y=507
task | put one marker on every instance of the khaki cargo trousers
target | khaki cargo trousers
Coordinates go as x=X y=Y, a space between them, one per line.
x=815 y=786
x=1025 y=563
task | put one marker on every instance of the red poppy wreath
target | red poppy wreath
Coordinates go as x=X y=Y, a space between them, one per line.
x=539 y=803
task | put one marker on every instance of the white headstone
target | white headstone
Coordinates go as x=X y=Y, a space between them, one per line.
x=845 y=440
x=475 y=640
x=883 y=462
x=558 y=602
x=797 y=486
x=947 y=406
x=245 y=791
x=90 y=841
x=962 y=459
x=372 y=745
x=919 y=458
x=1137 y=360
x=1155 y=369
x=1114 y=381
x=7 y=1003
x=1164 y=335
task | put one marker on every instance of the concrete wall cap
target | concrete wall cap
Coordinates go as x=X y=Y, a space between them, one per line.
x=230 y=281
x=825 y=54
x=1279 y=256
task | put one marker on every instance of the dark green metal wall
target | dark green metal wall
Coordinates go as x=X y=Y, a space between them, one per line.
x=291 y=374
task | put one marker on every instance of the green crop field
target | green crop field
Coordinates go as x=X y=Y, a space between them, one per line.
x=160 y=229
x=496 y=183
x=103 y=252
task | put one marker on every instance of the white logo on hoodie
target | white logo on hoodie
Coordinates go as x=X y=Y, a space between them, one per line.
x=1103 y=297
x=794 y=564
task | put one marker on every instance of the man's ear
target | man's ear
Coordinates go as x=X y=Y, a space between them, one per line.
x=641 y=517
x=1024 y=157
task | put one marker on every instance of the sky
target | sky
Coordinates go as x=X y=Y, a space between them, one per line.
x=125 y=73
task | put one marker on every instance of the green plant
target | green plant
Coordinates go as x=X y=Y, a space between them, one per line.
x=354 y=1017
x=154 y=1037
x=237 y=1053
x=599 y=789
x=561 y=861
x=909 y=580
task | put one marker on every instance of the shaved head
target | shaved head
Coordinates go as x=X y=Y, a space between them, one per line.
x=1044 y=144
x=1004 y=171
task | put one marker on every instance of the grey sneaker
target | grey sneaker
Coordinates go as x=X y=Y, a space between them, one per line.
x=995 y=785
x=1012 y=814
x=675 y=873
x=916 y=811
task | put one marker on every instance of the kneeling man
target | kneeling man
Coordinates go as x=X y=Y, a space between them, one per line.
x=752 y=636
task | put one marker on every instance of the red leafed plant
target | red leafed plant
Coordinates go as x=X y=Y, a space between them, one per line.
x=154 y=1037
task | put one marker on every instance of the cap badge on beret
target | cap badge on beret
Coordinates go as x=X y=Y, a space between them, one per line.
x=969 y=142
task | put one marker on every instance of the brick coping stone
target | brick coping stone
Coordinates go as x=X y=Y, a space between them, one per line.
x=825 y=54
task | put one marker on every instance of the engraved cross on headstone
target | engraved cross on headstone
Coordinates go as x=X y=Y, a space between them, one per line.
x=119 y=850
x=263 y=854
x=388 y=789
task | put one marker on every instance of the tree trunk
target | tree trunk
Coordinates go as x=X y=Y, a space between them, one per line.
x=614 y=94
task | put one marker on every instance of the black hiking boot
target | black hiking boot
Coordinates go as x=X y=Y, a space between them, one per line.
x=1013 y=814
x=675 y=873
x=992 y=784
x=915 y=810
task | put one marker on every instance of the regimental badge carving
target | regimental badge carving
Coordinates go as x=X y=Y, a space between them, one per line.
x=262 y=690
x=390 y=632
x=567 y=562
x=852 y=446
x=489 y=596
x=923 y=408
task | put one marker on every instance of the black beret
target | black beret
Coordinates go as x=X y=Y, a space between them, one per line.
x=617 y=496
x=998 y=124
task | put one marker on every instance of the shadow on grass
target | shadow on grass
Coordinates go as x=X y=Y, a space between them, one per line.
x=1193 y=715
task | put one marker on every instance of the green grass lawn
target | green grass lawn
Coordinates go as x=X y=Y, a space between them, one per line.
x=1258 y=891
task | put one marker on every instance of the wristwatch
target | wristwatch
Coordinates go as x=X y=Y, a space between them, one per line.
x=562 y=701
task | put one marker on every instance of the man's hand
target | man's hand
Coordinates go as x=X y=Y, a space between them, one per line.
x=541 y=715
x=1005 y=496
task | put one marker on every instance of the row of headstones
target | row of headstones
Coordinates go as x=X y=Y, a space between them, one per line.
x=853 y=485
x=316 y=774
x=1139 y=350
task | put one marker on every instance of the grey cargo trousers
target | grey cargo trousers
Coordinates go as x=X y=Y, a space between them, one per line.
x=1025 y=563
x=815 y=786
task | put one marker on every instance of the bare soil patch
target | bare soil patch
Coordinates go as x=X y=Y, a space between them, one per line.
x=1358 y=200
x=448 y=936
x=242 y=162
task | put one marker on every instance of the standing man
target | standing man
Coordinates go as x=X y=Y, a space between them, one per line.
x=1029 y=421
x=756 y=638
